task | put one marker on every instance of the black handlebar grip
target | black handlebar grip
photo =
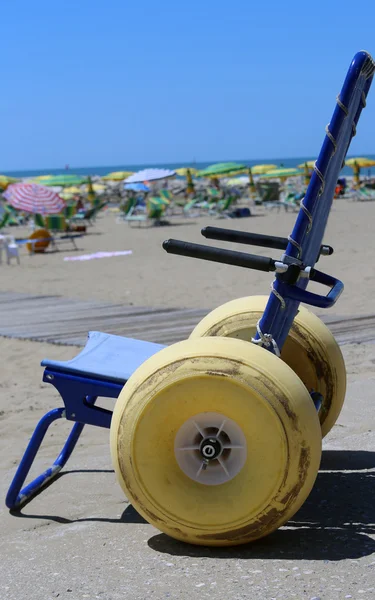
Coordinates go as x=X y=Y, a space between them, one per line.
x=228 y=257
x=244 y=237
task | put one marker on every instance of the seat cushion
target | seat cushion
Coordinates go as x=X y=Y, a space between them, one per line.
x=106 y=356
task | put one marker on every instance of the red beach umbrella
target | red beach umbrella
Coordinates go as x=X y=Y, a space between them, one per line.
x=34 y=198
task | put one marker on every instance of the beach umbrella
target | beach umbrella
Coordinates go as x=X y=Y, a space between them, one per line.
x=261 y=169
x=150 y=175
x=357 y=164
x=117 y=175
x=41 y=177
x=97 y=187
x=63 y=180
x=72 y=190
x=361 y=161
x=34 y=198
x=309 y=163
x=136 y=187
x=282 y=173
x=183 y=171
x=5 y=181
x=222 y=169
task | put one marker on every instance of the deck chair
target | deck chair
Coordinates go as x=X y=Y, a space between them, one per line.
x=289 y=202
x=89 y=215
x=155 y=211
x=127 y=208
x=4 y=219
x=104 y=366
x=221 y=209
x=58 y=228
x=365 y=194
x=69 y=211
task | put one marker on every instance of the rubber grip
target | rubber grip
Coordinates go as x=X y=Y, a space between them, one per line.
x=228 y=257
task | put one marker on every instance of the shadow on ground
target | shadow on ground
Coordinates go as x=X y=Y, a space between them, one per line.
x=335 y=522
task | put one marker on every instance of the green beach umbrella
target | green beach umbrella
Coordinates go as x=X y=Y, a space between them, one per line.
x=63 y=180
x=222 y=170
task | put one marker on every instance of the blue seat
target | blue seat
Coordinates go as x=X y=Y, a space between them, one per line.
x=106 y=356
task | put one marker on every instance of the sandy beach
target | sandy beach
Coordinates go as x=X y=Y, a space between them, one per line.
x=151 y=277
x=81 y=538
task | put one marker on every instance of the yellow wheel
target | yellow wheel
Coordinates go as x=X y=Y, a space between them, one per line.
x=43 y=236
x=310 y=349
x=215 y=441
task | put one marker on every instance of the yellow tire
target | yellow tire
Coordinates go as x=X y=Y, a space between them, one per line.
x=265 y=414
x=310 y=349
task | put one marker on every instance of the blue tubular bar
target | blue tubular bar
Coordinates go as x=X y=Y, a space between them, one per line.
x=306 y=238
x=16 y=496
x=71 y=390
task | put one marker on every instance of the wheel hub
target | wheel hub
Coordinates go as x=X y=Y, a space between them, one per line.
x=210 y=448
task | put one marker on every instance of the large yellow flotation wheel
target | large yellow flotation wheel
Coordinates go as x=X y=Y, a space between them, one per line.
x=215 y=441
x=310 y=349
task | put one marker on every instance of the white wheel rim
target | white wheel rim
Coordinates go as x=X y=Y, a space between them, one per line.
x=200 y=437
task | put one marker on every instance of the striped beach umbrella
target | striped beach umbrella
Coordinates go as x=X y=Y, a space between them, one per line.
x=34 y=198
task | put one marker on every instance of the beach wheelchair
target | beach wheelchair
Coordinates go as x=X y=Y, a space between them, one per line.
x=216 y=440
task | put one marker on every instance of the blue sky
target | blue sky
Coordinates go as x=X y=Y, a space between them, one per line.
x=117 y=82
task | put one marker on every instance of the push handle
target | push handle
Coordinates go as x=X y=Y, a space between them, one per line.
x=228 y=257
x=244 y=237
x=253 y=239
x=337 y=287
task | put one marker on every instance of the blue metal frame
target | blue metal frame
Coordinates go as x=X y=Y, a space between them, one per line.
x=79 y=393
x=283 y=305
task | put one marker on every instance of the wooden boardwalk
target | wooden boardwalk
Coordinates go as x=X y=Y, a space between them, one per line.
x=61 y=320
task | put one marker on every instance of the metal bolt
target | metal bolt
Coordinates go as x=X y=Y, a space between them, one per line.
x=49 y=377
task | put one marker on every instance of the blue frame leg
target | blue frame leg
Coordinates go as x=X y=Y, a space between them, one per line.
x=16 y=496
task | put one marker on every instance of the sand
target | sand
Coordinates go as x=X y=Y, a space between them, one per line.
x=151 y=277
x=81 y=539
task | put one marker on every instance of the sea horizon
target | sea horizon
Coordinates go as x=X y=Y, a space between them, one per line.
x=104 y=170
